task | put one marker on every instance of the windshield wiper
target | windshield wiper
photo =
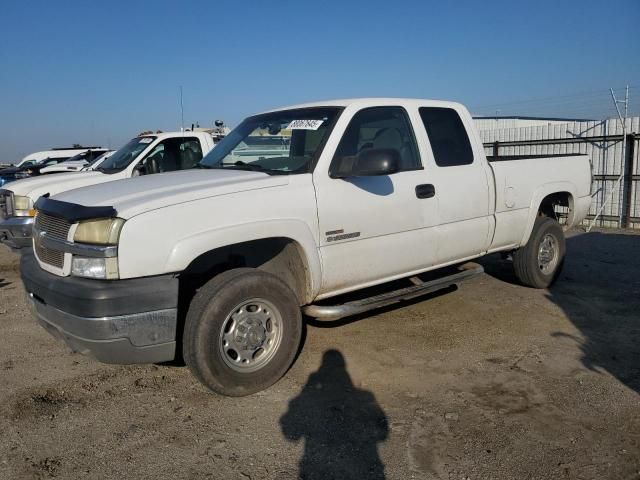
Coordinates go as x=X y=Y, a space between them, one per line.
x=240 y=165
x=248 y=166
x=108 y=171
x=253 y=167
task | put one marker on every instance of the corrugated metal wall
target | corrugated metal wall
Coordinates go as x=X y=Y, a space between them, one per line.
x=498 y=123
x=602 y=141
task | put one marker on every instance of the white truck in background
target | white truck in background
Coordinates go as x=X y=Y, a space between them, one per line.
x=218 y=263
x=142 y=155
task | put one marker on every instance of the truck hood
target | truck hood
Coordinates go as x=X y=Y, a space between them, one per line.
x=35 y=187
x=133 y=196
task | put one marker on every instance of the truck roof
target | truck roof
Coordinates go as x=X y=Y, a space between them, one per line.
x=369 y=101
x=174 y=134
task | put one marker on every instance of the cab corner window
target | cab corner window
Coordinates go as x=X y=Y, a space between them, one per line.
x=447 y=136
x=381 y=128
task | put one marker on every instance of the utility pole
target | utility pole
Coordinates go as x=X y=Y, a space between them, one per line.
x=623 y=161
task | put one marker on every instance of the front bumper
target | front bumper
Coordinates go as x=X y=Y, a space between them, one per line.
x=117 y=321
x=15 y=232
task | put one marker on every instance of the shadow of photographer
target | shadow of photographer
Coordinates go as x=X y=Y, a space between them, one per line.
x=341 y=425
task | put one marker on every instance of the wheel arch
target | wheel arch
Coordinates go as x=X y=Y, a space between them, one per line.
x=543 y=200
x=286 y=250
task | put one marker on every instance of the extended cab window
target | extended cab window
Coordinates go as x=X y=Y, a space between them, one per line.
x=380 y=128
x=447 y=136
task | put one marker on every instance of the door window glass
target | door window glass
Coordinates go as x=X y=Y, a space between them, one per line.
x=380 y=128
x=172 y=154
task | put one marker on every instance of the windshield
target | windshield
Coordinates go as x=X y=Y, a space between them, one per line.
x=125 y=155
x=279 y=143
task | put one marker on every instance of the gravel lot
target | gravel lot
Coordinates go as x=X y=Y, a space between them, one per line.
x=492 y=381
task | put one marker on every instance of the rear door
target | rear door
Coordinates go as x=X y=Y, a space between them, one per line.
x=461 y=184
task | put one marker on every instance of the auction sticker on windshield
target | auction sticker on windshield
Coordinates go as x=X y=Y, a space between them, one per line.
x=304 y=125
x=146 y=140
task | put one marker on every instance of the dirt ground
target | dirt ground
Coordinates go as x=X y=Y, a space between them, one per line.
x=491 y=381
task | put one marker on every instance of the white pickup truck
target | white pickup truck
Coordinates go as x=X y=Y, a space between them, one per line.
x=219 y=263
x=142 y=155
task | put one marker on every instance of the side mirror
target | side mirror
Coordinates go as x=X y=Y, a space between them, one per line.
x=371 y=162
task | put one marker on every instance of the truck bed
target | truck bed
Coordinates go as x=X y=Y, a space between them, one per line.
x=523 y=184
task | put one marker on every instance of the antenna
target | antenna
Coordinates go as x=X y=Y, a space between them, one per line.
x=181 y=111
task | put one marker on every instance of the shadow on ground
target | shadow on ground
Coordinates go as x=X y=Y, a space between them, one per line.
x=341 y=425
x=599 y=292
x=3 y=283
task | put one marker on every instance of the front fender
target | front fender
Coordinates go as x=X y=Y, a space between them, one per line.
x=192 y=247
x=180 y=251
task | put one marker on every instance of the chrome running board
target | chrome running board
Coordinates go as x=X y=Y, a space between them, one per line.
x=335 y=312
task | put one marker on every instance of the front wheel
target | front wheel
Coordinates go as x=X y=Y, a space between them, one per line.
x=242 y=332
x=539 y=262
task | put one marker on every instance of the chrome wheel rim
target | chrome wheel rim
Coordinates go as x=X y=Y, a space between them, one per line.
x=548 y=254
x=251 y=335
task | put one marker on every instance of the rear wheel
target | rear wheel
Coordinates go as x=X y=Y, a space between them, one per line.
x=242 y=332
x=540 y=261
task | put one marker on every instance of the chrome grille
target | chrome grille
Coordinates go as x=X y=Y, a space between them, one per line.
x=52 y=227
x=6 y=204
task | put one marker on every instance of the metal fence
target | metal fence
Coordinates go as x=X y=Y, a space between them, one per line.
x=602 y=141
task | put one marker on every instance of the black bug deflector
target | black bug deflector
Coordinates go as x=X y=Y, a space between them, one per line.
x=72 y=211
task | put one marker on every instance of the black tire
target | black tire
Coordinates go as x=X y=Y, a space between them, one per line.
x=525 y=260
x=207 y=316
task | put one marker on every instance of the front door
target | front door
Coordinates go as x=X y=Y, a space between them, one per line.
x=373 y=228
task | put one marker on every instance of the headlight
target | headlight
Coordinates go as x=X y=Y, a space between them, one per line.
x=23 y=206
x=104 y=231
x=103 y=268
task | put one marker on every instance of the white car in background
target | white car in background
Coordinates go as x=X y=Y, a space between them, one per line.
x=79 y=162
x=98 y=161
x=60 y=153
